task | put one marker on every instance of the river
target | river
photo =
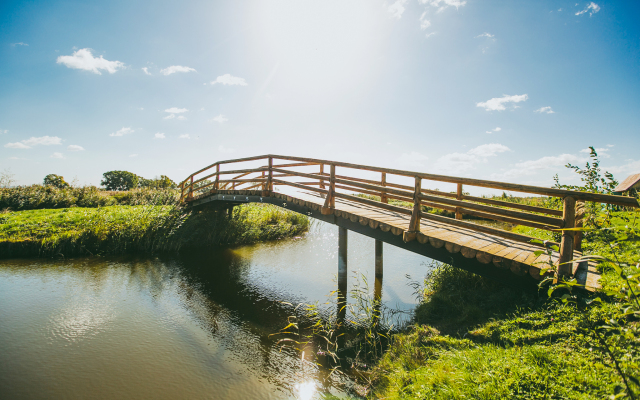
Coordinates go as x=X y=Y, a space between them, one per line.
x=190 y=326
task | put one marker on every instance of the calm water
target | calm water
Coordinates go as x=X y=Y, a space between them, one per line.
x=192 y=327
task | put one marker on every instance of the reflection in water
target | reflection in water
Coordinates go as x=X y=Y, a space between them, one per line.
x=197 y=326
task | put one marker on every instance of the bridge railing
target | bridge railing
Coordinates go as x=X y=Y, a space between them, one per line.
x=271 y=172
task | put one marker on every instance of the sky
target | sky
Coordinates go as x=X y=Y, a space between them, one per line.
x=501 y=90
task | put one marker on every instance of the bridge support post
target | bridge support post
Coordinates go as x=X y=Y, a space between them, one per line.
x=342 y=283
x=378 y=259
x=458 y=197
x=566 y=245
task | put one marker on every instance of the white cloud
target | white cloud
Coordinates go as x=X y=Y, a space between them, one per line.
x=488 y=150
x=122 y=132
x=496 y=129
x=83 y=59
x=412 y=160
x=497 y=103
x=396 y=9
x=591 y=8
x=227 y=79
x=176 y=110
x=146 y=71
x=486 y=34
x=424 y=22
x=159 y=136
x=430 y=34
x=75 y=147
x=57 y=155
x=460 y=162
x=225 y=150
x=19 y=44
x=3 y=131
x=631 y=167
x=219 y=119
x=133 y=155
x=34 y=141
x=16 y=145
x=181 y=117
x=185 y=136
x=443 y=4
x=609 y=145
x=176 y=68
x=547 y=110
x=170 y=116
x=532 y=166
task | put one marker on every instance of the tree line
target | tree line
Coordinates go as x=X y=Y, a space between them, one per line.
x=118 y=181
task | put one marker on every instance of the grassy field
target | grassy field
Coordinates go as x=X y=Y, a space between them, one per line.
x=125 y=229
x=474 y=338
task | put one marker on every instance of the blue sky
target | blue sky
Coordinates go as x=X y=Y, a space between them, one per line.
x=498 y=90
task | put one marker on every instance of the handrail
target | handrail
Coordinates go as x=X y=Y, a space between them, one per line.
x=329 y=184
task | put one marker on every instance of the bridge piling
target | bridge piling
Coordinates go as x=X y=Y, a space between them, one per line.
x=378 y=259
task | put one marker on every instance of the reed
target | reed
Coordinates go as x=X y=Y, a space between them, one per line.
x=148 y=229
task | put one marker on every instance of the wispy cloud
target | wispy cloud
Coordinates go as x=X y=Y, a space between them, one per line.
x=176 y=110
x=498 y=103
x=424 y=22
x=219 y=119
x=184 y=136
x=159 y=136
x=57 y=155
x=228 y=79
x=496 y=129
x=486 y=34
x=83 y=59
x=226 y=150
x=34 y=141
x=396 y=9
x=133 y=155
x=591 y=8
x=444 y=4
x=75 y=147
x=461 y=162
x=176 y=68
x=146 y=70
x=3 y=131
x=546 y=110
x=531 y=167
x=122 y=132
x=19 y=44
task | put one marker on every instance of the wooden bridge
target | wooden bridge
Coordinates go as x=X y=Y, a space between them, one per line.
x=391 y=206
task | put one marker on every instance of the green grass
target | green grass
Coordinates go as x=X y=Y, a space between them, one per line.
x=473 y=338
x=125 y=229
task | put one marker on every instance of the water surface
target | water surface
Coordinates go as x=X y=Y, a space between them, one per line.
x=193 y=326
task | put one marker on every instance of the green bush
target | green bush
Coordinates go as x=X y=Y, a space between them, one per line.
x=35 y=197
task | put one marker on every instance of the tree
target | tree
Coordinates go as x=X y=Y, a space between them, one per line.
x=7 y=178
x=55 y=181
x=120 y=180
x=164 y=182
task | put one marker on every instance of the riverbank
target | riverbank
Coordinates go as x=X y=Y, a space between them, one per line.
x=73 y=231
x=474 y=338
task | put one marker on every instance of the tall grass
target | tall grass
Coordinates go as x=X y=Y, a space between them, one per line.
x=149 y=229
x=39 y=197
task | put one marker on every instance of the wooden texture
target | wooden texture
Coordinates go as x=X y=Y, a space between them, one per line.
x=566 y=244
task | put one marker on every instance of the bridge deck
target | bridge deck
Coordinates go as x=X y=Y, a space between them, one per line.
x=476 y=247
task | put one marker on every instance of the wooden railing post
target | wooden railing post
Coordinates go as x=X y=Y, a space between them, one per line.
x=321 y=180
x=566 y=245
x=414 y=223
x=577 y=237
x=191 y=189
x=383 y=182
x=459 y=197
x=268 y=188
x=330 y=201
x=217 y=184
